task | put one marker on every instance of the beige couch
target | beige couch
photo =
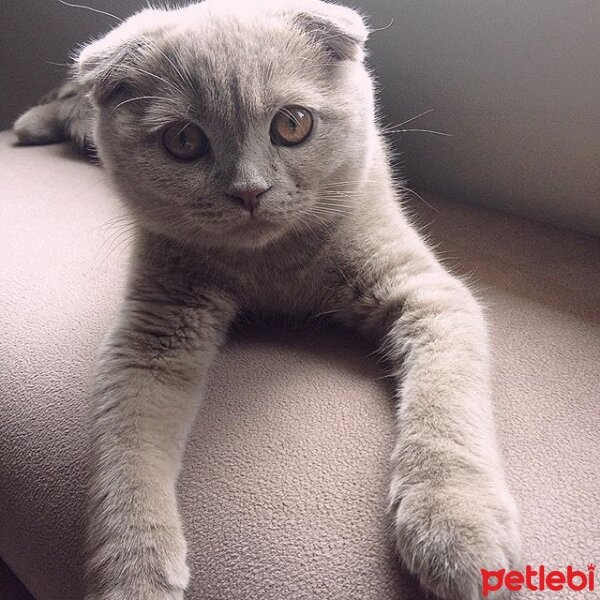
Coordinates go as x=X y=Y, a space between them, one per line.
x=283 y=490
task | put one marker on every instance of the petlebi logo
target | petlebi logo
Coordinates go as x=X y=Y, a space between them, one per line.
x=539 y=579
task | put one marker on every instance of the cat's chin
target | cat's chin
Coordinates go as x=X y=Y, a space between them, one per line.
x=250 y=236
x=255 y=235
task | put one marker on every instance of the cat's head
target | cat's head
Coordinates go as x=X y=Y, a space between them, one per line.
x=230 y=123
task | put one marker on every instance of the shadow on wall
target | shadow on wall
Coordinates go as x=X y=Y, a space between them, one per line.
x=514 y=83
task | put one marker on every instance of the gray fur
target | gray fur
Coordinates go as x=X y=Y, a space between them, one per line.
x=66 y=113
x=330 y=237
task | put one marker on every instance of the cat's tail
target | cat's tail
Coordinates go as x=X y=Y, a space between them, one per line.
x=63 y=114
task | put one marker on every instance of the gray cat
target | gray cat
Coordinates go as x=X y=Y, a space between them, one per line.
x=243 y=140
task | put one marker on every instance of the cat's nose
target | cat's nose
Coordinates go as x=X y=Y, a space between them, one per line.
x=248 y=195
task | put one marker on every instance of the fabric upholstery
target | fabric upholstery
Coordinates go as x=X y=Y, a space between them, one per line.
x=10 y=587
x=284 y=484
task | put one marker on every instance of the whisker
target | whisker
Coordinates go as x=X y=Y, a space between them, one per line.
x=330 y=209
x=150 y=74
x=176 y=69
x=377 y=30
x=325 y=206
x=406 y=189
x=95 y=10
x=326 y=202
x=335 y=202
x=419 y=130
x=318 y=217
x=326 y=312
x=426 y=112
x=332 y=195
x=57 y=64
x=317 y=63
x=112 y=223
x=307 y=225
x=338 y=183
x=138 y=98
x=290 y=116
x=183 y=63
x=116 y=240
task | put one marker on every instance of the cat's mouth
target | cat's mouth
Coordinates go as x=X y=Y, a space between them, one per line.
x=257 y=224
x=257 y=219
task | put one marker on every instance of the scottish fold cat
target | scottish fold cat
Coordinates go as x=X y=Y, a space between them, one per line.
x=243 y=140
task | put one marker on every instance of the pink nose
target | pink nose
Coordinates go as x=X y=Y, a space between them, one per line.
x=248 y=195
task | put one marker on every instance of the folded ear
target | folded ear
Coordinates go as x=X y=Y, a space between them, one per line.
x=340 y=30
x=106 y=66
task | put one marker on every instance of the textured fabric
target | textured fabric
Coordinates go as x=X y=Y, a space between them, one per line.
x=284 y=483
x=10 y=587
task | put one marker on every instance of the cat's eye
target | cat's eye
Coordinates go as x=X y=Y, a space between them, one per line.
x=185 y=141
x=291 y=126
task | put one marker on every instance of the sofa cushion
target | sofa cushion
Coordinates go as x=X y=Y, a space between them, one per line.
x=284 y=483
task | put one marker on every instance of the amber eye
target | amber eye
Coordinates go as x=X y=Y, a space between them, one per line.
x=185 y=141
x=291 y=126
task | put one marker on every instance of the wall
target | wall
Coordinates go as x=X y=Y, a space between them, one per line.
x=516 y=83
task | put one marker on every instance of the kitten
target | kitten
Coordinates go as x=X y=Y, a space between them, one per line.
x=244 y=142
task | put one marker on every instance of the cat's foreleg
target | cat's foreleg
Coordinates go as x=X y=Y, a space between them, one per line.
x=150 y=376
x=452 y=511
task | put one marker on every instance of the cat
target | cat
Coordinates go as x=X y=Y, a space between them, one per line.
x=243 y=140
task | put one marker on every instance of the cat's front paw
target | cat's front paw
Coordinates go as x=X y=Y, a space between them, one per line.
x=139 y=592
x=153 y=569
x=446 y=534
